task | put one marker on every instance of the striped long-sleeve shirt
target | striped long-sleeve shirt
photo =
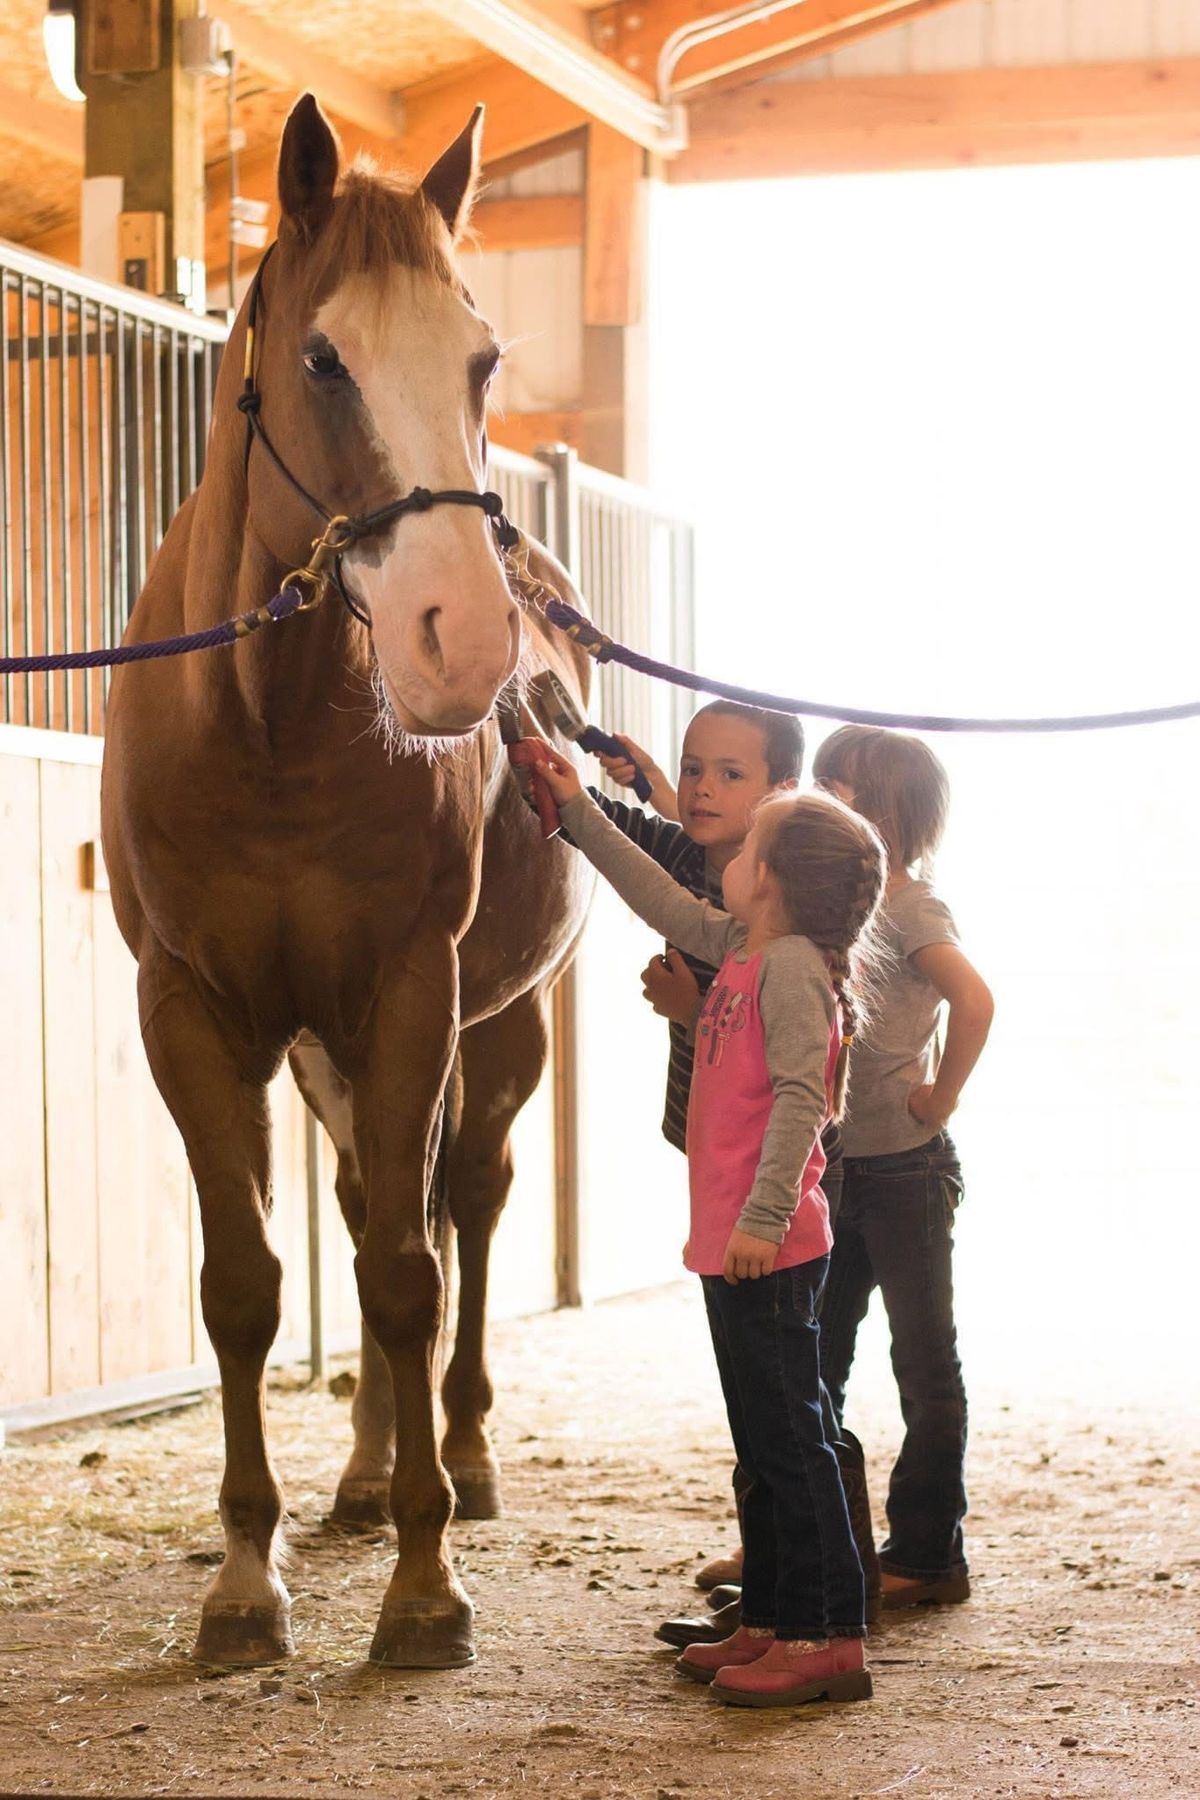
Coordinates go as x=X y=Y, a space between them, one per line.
x=673 y=850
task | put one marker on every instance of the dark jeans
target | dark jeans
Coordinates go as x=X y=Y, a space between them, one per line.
x=831 y=1186
x=895 y=1231
x=802 y=1577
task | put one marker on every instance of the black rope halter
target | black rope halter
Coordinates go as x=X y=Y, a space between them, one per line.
x=343 y=530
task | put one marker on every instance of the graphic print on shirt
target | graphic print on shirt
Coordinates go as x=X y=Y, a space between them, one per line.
x=723 y=1015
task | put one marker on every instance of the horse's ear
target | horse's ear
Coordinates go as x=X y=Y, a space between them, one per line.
x=450 y=184
x=308 y=167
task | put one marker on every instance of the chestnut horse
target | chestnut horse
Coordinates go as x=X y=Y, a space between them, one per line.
x=287 y=884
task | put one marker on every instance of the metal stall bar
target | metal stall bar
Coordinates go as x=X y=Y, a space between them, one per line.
x=97 y=451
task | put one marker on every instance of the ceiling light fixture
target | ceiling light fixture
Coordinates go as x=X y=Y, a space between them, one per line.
x=58 y=36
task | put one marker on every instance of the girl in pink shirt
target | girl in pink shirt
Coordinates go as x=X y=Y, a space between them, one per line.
x=771 y=1052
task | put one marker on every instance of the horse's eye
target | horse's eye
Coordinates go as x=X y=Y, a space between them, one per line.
x=324 y=362
x=484 y=366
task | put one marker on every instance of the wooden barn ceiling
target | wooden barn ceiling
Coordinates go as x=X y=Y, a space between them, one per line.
x=400 y=80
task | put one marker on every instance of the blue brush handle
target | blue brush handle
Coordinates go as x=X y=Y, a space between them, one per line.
x=597 y=742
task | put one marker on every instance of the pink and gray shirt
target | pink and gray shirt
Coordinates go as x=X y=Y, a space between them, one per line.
x=766 y=1049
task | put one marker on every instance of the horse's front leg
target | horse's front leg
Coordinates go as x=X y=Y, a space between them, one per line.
x=502 y=1062
x=362 y=1494
x=218 y=1096
x=425 y=1621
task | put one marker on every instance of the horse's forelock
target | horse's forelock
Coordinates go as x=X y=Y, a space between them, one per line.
x=378 y=221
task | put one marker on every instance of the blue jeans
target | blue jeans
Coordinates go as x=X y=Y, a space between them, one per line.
x=895 y=1232
x=801 y=1577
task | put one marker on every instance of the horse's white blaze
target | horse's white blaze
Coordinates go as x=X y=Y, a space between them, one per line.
x=445 y=629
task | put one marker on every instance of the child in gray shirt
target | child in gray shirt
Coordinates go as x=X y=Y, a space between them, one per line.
x=902 y=1177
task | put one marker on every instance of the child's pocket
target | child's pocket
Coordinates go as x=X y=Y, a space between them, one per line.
x=948 y=1184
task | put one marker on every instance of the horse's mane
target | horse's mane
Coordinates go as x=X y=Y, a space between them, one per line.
x=379 y=220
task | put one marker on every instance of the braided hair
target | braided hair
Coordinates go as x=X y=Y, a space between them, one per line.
x=831 y=867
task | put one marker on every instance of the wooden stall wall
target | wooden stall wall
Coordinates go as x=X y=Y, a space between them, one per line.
x=24 y=1326
x=99 y=1239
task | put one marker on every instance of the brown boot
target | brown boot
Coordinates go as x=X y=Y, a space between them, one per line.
x=944 y=1590
x=718 y=1625
x=720 y=1570
x=852 y=1463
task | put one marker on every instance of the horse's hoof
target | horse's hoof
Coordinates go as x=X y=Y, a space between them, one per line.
x=423 y=1634
x=240 y=1636
x=361 y=1505
x=476 y=1492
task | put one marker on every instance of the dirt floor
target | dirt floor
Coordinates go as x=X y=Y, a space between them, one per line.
x=1072 y=1672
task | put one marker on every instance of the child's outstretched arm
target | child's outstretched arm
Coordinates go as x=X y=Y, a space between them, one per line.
x=797 y=1007
x=622 y=770
x=654 y=895
x=967 y=1025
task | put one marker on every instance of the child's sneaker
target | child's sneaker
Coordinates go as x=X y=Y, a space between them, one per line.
x=792 y=1671
x=700 y=1662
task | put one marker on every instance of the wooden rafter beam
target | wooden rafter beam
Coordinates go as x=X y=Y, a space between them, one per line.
x=51 y=128
x=1072 y=112
x=562 y=58
x=286 y=59
x=529 y=222
x=522 y=116
x=634 y=34
x=521 y=113
x=614 y=272
x=528 y=431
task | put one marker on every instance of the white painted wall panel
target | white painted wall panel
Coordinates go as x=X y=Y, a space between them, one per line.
x=546 y=300
x=1107 y=33
x=1175 y=28
x=884 y=53
x=1015 y=33
x=1031 y=31
x=534 y=300
x=953 y=37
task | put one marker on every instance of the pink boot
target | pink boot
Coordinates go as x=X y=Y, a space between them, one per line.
x=700 y=1662
x=792 y=1671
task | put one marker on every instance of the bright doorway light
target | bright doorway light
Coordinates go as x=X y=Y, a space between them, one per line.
x=938 y=433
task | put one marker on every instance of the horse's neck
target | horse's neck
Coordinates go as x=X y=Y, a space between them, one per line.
x=282 y=672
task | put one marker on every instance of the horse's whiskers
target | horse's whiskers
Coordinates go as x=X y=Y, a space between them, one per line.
x=396 y=740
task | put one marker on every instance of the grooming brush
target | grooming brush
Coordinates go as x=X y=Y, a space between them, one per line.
x=526 y=756
x=565 y=716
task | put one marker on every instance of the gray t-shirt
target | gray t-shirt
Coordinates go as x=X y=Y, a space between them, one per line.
x=896 y=1051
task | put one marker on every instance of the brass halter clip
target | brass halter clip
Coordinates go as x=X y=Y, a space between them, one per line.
x=315 y=574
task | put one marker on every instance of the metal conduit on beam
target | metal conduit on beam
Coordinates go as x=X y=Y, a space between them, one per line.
x=569 y=66
x=719 y=24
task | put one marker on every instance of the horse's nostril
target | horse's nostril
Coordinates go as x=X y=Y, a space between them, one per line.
x=430 y=637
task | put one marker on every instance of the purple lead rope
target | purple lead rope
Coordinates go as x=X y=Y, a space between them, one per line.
x=590 y=638
x=287 y=601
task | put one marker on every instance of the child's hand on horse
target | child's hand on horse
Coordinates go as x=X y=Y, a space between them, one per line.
x=671 y=988
x=747 y=1257
x=559 y=774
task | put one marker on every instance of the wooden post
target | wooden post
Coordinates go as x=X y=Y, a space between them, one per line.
x=613 y=433
x=144 y=123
